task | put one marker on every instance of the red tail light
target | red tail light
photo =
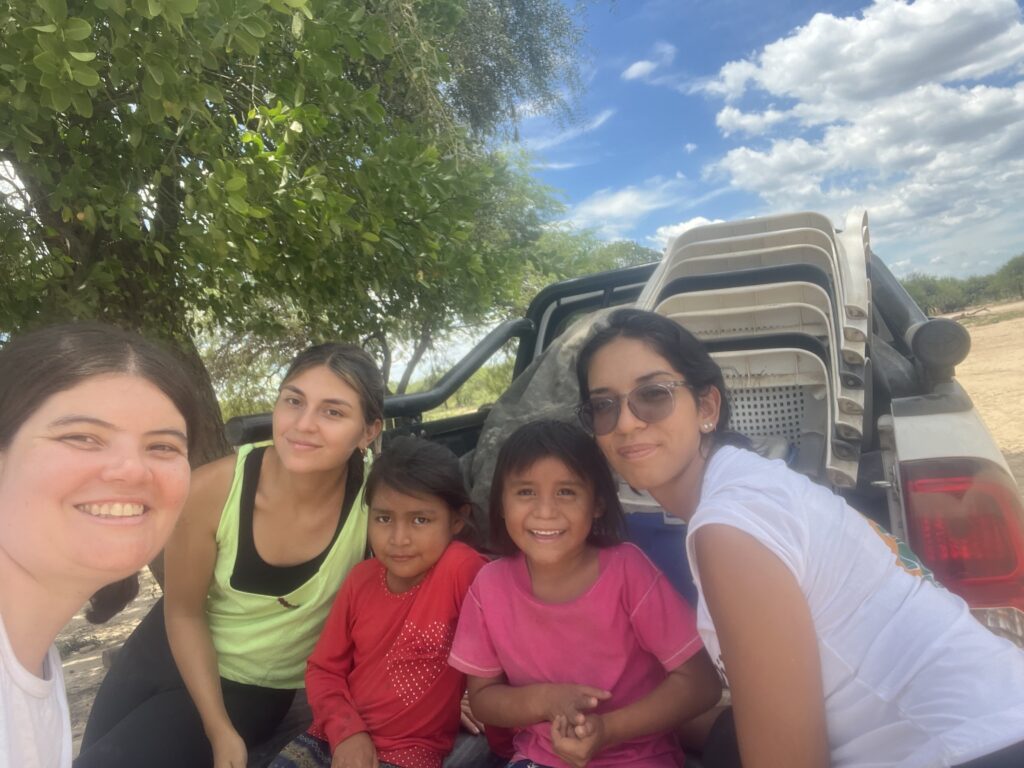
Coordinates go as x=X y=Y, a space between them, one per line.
x=965 y=521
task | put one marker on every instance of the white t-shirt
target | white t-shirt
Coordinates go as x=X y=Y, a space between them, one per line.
x=35 y=729
x=910 y=677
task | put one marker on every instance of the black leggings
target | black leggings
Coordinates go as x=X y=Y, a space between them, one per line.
x=144 y=716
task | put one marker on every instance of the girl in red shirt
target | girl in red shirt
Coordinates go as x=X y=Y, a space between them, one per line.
x=378 y=681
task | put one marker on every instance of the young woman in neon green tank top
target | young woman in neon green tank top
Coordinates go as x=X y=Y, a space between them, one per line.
x=235 y=643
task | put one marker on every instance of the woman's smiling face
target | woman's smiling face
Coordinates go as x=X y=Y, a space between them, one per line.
x=649 y=456
x=92 y=483
x=319 y=421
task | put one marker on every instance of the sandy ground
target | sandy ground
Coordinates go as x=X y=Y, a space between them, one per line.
x=993 y=374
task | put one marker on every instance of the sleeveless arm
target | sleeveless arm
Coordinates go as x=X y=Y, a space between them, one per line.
x=769 y=649
x=190 y=559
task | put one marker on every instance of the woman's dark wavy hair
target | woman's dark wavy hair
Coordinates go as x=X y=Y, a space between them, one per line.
x=680 y=348
x=36 y=365
x=418 y=467
x=357 y=369
x=572 y=446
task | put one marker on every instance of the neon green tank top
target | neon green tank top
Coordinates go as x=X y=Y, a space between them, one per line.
x=262 y=639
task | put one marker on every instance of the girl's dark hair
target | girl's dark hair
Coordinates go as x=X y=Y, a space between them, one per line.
x=680 y=348
x=35 y=366
x=573 y=447
x=418 y=467
x=357 y=369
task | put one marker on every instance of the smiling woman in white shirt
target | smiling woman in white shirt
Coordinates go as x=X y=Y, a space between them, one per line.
x=838 y=647
x=94 y=437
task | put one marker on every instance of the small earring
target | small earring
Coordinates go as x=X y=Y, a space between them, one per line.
x=707 y=427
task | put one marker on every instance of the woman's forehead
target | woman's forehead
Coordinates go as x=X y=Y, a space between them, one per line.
x=625 y=362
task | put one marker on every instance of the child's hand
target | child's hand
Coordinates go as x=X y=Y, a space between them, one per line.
x=469 y=721
x=357 y=751
x=577 y=744
x=571 y=701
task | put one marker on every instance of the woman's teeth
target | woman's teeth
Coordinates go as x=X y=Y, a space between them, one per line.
x=113 y=510
x=546 y=534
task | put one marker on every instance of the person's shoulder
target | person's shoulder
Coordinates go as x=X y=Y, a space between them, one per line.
x=460 y=558
x=496 y=574
x=210 y=487
x=216 y=474
x=459 y=553
x=741 y=474
x=364 y=571
x=629 y=554
x=633 y=562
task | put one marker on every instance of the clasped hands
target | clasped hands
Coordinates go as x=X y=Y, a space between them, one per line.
x=577 y=733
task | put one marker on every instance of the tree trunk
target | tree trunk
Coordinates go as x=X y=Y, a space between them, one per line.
x=422 y=344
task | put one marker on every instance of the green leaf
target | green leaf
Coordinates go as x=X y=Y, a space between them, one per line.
x=246 y=42
x=156 y=7
x=86 y=76
x=156 y=73
x=45 y=28
x=45 y=62
x=357 y=15
x=239 y=204
x=254 y=28
x=150 y=87
x=235 y=183
x=55 y=9
x=77 y=29
x=300 y=94
x=60 y=98
x=83 y=104
x=82 y=55
x=298 y=25
x=185 y=7
x=295 y=126
x=371 y=237
x=173 y=18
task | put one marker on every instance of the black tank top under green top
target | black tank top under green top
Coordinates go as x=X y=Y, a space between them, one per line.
x=252 y=573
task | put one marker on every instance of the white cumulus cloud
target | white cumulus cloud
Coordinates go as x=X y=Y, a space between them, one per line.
x=662 y=235
x=662 y=56
x=912 y=110
x=613 y=212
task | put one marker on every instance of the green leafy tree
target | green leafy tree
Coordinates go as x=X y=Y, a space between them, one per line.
x=256 y=166
x=936 y=295
x=1009 y=278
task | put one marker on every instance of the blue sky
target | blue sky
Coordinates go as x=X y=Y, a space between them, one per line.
x=702 y=110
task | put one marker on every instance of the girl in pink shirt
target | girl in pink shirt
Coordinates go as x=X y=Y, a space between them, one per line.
x=574 y=638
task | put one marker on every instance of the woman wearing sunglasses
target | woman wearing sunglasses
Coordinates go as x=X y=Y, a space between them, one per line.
x=838 y=648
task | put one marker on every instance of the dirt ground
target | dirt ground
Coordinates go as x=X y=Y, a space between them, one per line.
x=993 y=374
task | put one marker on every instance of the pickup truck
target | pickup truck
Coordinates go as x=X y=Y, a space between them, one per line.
x=831 y=365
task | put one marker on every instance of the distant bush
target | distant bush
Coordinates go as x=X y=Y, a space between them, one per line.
x=941 y=295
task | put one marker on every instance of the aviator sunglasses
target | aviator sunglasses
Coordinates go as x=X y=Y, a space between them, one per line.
x=648 y=402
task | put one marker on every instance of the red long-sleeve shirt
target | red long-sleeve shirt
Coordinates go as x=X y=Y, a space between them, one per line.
x=381 y=664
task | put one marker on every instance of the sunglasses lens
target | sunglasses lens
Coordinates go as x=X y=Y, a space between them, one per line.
x=651 y=402
x=600 y=416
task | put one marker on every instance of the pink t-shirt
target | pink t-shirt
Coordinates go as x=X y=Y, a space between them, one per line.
x=623 y=635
